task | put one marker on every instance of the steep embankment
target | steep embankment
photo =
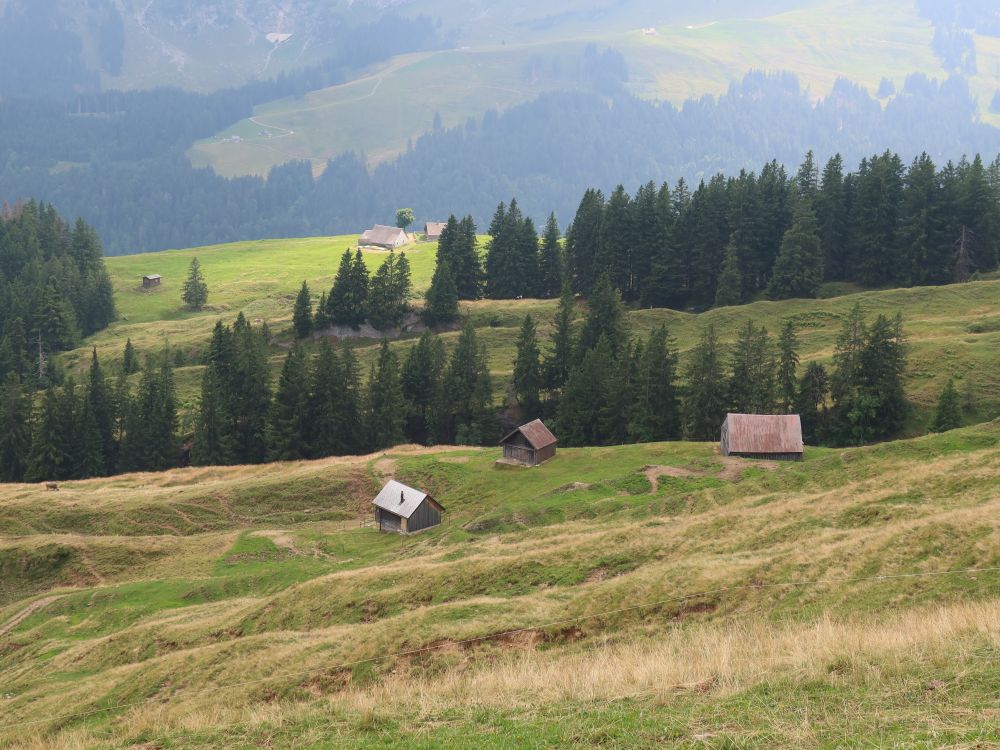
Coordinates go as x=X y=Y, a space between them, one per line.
x=726 y=604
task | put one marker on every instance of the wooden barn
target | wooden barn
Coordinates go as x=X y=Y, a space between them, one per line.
x=433 y=230
x=531 y=444
x=153 y=279
x=387 y=238
x=403 y=510
x=777 y=437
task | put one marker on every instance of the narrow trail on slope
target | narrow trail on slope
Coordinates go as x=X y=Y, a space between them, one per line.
x=25 y=613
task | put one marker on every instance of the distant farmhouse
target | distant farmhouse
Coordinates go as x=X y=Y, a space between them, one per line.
x=388 y=238
x=148 y=282
x=531 y=444
x=403 y=510
x=763 y=436
x=433 y=230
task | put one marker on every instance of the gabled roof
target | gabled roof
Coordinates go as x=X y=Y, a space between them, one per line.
x=765 y=433
x=434 y=228
x=400 y=500
x=536 y=433
x=383 y=235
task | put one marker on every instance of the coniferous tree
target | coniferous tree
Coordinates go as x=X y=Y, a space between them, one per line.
x=321 y=319
x=302 y=315
x=798 y=269
x=605 y=317
x=656 y=414
x=586 y=393
x=465 y=410
x=705 y=397
x=100 y=409
x=948 y=414
x=248 y=389
x=326 y=430
x=195 y=290
x=421 y=378
x=15 y=429
x=730 y=289
x=560 y=361
x=583 y=240
x=130 y=360
x=527 y=380
x=751 y=378
x=288 y=426
x=811 y=403
x=442 y=296
x=390 y=288
x=788 y=364
x=213 y=435
x=386 y=408
x=347 y=304
x=832 y=210
x=550 y=263
x=150 y=442
x=48 y=458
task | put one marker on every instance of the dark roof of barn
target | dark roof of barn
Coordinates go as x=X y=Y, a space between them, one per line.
x=400 y=500
x=536 y=433
x=765 y=433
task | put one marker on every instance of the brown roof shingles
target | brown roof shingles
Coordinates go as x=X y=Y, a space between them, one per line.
x=765 y=433
x=536 y=433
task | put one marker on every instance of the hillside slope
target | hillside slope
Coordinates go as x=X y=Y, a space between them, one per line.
x=633 y=596
x=952 y=330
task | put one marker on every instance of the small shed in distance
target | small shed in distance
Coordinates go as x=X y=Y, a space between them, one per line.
x=148 y=282
x=531 y=444
x=403 y=510
x=433 y=230
x=777 y=437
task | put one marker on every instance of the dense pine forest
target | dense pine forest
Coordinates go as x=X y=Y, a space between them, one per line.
x=54 y=288
x=733 y=239
x=119 y=160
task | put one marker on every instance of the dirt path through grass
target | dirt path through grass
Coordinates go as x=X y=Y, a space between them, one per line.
x=25 y=613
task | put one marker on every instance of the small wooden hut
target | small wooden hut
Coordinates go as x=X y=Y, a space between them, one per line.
x=148 y=282
x=531 y=444
x=403 y=510
x=433 y=230
x=777 y=437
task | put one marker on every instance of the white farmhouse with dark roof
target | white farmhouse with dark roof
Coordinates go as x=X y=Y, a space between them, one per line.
x=403 y=510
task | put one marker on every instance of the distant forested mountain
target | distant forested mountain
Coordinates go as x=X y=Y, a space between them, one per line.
x=118 y=160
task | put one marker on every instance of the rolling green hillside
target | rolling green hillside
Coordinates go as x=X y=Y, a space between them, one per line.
x=952 y=330
x=631 y=597
x=510 y=55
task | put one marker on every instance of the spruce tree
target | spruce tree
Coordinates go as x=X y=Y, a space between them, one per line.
x=15 y=429
x=390 y=288
x=442 y=296
x=587 y=391
x=100 y=409
x=288 y=426
x=195 y=290
x=655 y=408
x=811 y=403
x=752 y=372
x=386 y=408
x=798 y=270
x=605 y=317
x=213 y=437
x=465 y=411
x=527 y=380
x=321 y=319
x=705 y=396
x=948 y=414
x=560 y=361
x=48 y=459
x=302 y=315
x=327 y=432
x=729 y=291
x=348 y=300
x=130 y=360
x=421 y=378
x=550 y=264
x=788 y=363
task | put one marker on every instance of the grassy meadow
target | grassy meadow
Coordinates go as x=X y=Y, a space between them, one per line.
x=952 y=330
x=510 y=58
x=628 y=597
